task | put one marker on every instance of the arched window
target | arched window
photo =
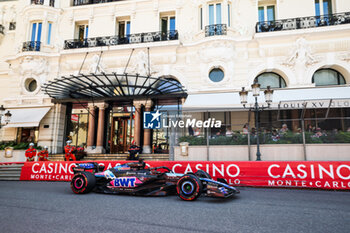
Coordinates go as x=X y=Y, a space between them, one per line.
x=270 y=79
x=324 y=77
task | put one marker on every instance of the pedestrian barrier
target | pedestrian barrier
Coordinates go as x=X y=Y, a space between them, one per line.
x=292 y=174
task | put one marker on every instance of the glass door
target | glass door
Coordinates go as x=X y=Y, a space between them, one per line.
x=121 y=134
x=36 y=36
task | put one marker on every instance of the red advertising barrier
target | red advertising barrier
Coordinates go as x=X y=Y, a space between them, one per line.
x=322 y=175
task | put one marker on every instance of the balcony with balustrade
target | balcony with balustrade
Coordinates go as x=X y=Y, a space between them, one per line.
x=216 y=30
x=43 y=2
x=29 y=46
x=87 y=2
x=303 y=22
x=122 y=40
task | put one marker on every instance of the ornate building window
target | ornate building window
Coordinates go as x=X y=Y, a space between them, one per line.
x=167 y=24
x=215 y=14
x=216 y=75
x=82 y=31
x=49 y=32
x=31 y=85
x=270 y=79
x=323 y=7
x=325 y=77
x=215 y=17
x=266 y=13
x=35 y=39
x=123 y=29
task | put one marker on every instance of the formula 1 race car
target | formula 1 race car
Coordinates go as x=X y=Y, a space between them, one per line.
x=135 y=179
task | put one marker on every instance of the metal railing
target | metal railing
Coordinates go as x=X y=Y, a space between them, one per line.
x=86 y=2
x=303 y=22
x=31 y=46
x=2 y=29
x=117 y=40
x=37 y=2
x=215 y=30
x=42 y=2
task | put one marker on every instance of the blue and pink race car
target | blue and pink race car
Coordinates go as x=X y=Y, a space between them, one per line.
x=135 y=179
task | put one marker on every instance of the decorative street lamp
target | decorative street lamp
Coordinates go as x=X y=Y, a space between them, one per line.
x=7 y=116
x=268 y=98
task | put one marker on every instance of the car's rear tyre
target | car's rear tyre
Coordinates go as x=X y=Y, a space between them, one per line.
x=189 y=187
x=202 y=174
x=83 y=182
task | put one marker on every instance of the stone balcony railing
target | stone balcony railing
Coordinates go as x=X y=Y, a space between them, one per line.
x=87 y=2
x=31 y=46
x=43 y=2
x=303 y=22
x=215 y=30
x=117 y=40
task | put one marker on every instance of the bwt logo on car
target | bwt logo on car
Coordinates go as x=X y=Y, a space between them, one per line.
x=124 y=182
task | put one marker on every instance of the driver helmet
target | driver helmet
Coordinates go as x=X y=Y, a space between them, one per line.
x=31 y=144
x=69 y=142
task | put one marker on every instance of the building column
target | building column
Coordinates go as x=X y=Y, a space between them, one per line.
x=146 y=149
x=91 y=129
x=100 y=128
x=137 y=123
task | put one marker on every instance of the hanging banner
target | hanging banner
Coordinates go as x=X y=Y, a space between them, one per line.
x=322 y=175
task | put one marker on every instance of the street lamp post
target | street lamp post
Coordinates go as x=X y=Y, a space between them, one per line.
x=7 y=116
x=244 y=100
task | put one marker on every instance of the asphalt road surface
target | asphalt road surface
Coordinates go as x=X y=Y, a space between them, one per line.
x=52 y=207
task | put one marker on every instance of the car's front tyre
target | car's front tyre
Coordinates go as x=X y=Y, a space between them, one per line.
x=189 y=187
x=83 y=182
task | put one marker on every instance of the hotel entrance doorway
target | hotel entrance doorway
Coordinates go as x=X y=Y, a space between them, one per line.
x=121 y=133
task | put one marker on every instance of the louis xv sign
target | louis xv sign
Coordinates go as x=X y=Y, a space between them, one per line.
x=329 y=103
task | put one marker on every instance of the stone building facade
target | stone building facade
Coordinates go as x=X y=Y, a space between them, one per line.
x=212 y=48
